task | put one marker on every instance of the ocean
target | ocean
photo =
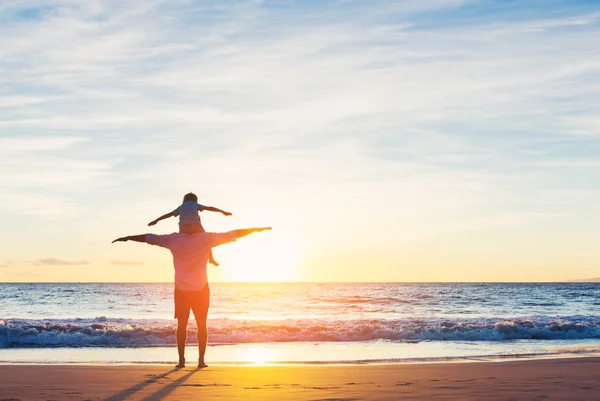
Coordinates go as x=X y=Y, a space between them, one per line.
x=314 y=323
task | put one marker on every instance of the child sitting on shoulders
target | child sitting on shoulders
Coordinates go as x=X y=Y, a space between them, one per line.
x=189 y=218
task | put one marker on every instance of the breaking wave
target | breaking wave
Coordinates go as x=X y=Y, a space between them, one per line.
x=104 y=332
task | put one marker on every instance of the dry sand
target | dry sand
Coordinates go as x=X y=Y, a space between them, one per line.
x=558 y=379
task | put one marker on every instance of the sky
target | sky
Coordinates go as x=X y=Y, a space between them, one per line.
x=430 y=140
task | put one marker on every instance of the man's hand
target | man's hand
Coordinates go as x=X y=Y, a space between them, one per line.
x=153 y=222
x=136 y=238
x=246 y=231
x=226 y=213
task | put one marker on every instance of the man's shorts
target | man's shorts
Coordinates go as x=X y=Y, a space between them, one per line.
x=197 y=301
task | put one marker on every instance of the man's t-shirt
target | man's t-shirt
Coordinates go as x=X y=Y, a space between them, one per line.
x=190 y=255
x=188 y=213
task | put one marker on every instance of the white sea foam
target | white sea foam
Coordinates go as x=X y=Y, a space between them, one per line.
x=108 y=332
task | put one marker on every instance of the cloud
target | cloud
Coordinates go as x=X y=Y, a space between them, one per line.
x=445 y=113
x=585 y=280
x=583 y=125
x=60 y=262
x=127 y=262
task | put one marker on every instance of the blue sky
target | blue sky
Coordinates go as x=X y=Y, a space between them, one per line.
x=401 y=140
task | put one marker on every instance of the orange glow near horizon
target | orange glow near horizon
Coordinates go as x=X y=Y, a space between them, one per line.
x=274 y=260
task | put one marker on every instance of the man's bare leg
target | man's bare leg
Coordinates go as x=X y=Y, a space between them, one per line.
x=202 y=334
x=181 y=339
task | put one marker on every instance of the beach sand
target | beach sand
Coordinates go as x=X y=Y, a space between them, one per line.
x=556 y=379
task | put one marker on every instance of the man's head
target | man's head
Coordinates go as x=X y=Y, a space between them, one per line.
x=190 y=197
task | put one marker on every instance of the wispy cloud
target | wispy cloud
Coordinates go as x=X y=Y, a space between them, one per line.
x=299 y=83
x=60 y=262
x=10 y=145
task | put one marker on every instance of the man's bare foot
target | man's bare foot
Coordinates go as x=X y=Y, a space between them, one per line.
x=213 y=262
x=202 y=365
x=180 y=365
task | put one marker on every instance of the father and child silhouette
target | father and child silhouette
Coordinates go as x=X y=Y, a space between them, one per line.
x=190 y=256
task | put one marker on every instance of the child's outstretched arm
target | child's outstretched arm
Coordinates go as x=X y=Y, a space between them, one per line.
x=214 y=209
x=164 y=216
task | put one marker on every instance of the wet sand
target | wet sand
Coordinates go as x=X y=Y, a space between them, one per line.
x=556 y=379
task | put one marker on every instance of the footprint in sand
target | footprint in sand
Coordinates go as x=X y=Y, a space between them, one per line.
x=321 y=388
x=206 y=385
x=336 y=399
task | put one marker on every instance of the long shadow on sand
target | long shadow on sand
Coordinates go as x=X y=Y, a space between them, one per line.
x=128 y=392
x=166 y=390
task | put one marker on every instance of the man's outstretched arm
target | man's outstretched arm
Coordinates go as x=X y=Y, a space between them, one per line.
x=246 y=231
x=137 y=238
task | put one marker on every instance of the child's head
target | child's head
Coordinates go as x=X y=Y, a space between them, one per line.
x=190 y=197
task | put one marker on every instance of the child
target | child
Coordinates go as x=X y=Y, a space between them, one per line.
x=189 y=219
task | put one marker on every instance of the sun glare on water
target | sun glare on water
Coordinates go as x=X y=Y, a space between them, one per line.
x=272 y=258
x=258 y=356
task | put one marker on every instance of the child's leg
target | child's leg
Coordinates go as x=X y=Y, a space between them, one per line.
x=198 y=228
x=211 y=259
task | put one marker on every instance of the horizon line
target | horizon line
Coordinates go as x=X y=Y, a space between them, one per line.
x=591 y=280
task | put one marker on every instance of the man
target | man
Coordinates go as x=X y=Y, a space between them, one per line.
x=190 y=256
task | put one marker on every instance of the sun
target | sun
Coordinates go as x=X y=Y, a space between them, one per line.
x=270 y=257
